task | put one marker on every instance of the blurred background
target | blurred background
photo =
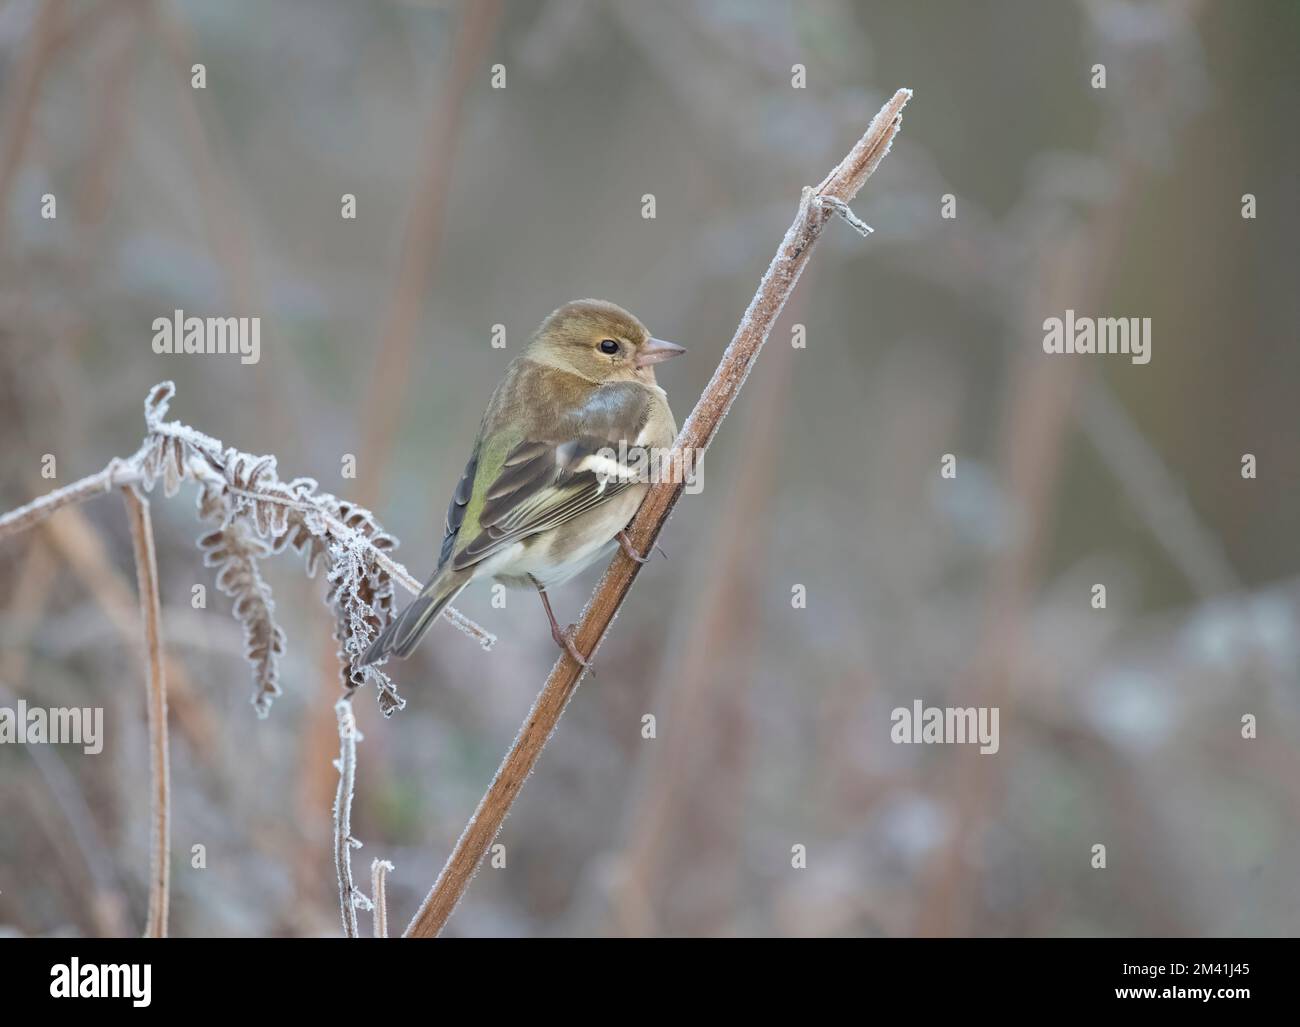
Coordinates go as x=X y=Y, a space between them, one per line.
x=479 y=207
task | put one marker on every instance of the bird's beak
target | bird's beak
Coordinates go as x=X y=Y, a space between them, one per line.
x=655 y=351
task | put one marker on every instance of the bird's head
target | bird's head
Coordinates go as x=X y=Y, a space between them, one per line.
x=599 y=341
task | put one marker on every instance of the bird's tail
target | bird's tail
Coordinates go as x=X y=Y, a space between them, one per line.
x=409 y=626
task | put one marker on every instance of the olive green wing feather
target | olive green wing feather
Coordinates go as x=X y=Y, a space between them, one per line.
x=524 y=486
x=456 y=509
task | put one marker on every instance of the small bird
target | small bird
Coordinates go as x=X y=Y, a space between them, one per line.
x=539 y=501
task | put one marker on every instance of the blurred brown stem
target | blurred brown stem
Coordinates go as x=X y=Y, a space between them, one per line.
x=146 y=569
x=25 y=86
x=87 y=861
x=380 y=411
x=816 y=208
x=382 y=406
x=73 y=536
x=51 y=31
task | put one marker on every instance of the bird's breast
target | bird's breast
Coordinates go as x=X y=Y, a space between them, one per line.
x=555 y=556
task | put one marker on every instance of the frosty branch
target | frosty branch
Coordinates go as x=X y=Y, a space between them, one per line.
x=344 y=843
x=816 y=207
x=253 y=513
x=379 y=870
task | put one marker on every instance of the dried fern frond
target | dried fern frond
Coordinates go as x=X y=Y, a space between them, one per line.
x=254 y=514
x=235 y=552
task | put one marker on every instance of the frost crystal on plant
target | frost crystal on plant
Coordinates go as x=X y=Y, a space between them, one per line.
x=255 y=514
x=234 y=552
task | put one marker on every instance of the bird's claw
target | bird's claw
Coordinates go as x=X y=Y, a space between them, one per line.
x=564 y=639
x=629 y=551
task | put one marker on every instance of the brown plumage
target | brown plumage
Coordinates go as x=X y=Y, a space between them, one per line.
x=539 y=500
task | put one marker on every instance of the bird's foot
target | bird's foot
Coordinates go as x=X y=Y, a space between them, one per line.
x=564 y=639
x=628 y=550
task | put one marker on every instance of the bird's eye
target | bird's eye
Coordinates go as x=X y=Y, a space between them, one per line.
x=609 y=346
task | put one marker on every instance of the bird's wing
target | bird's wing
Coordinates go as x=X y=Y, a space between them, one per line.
x=525 y=486
x=456 y=508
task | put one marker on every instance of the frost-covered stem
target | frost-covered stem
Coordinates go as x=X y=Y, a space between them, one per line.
x=390 y=566
x=816 y=207
x=115 y=475
x=146 y=570
x=408 y=581
x=127 y=472
x=343 y=842
x=379 y=870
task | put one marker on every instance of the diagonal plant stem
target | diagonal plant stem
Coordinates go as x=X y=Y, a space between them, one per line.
x=816 y=207
x=705 y=697
x=146 y=569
